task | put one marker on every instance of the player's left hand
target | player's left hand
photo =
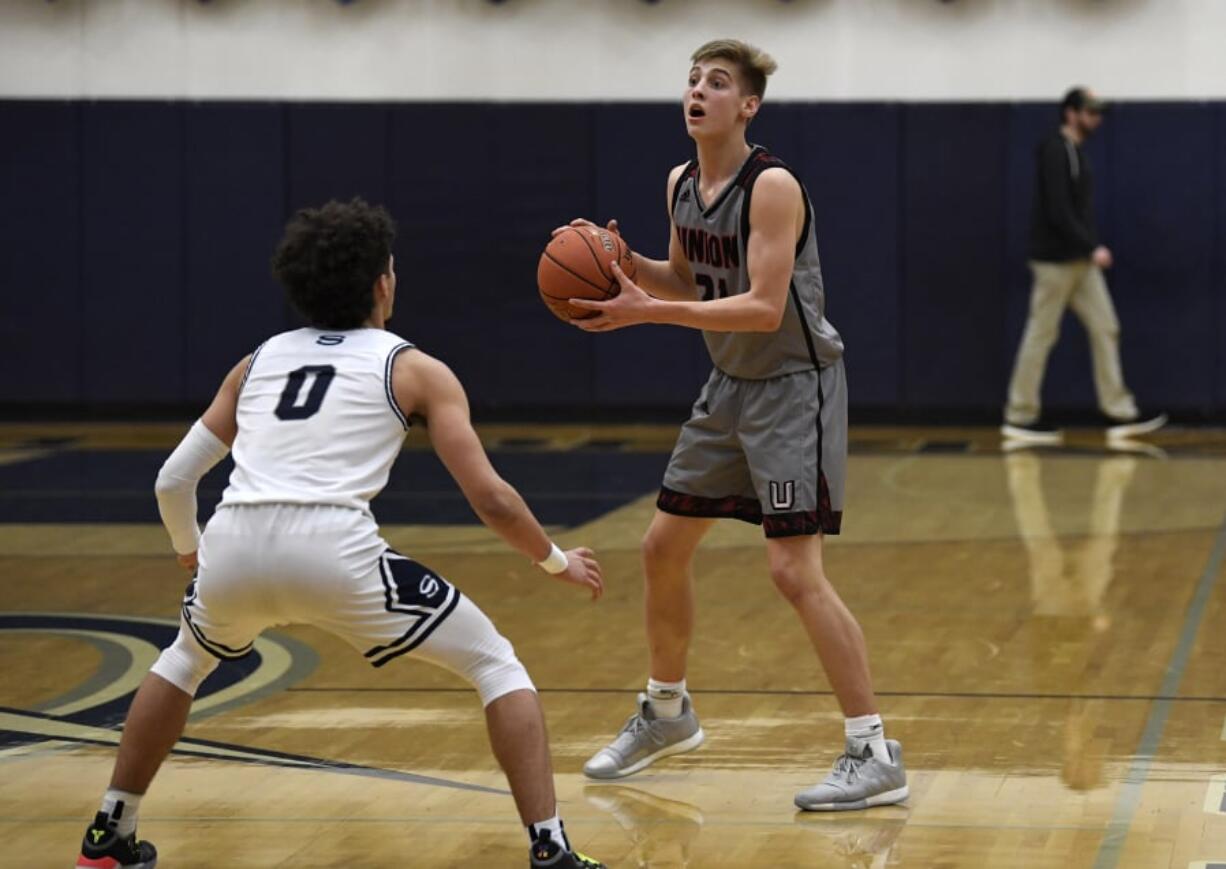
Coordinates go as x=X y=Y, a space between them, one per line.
x=188 y=561
x=583 y=569
x=628 y=308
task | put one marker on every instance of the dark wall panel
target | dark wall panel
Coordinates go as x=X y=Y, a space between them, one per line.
x=780 y=129
x=1163 y=239
x=1219 y=260
x=953 y=240
x=477 y=190
x=543 y=172
x=336 y=151
x=441 y=178
x=40 y=252
x=147 y=230
x=235 y=194
x=851 y=170
x=635 y=148
x=132 y=264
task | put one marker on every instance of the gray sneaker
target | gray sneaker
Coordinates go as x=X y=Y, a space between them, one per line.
x=858 y=781
x=645 y=739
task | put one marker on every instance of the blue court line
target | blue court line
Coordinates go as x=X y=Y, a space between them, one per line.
x=1112 y=845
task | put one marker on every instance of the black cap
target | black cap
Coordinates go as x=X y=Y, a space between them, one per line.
x=1079 y=98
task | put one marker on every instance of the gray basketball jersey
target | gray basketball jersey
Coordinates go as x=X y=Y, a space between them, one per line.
x=714 y=238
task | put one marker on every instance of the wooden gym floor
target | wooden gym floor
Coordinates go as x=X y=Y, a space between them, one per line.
x=1047 y=632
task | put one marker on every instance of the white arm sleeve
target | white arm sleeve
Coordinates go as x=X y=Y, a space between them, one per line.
x=195 y=455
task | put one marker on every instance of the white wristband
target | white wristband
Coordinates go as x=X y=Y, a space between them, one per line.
x=555 y=562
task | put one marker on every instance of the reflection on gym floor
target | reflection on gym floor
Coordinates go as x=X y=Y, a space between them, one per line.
x=1069 y=578
x=664 y=831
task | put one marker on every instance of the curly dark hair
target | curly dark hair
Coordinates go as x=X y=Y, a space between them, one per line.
x=329 y=259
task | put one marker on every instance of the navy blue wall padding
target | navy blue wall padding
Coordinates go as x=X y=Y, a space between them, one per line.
x=133 y=270
x=635 y=147
x=779 y=127
x=235 y=176
x=1164 y=246
x=953 y=207
x=336 y=151
x=473 y=222
x=40 y=254
x=439 y=185
x=140 y=233
x=542 y=167
x=1219 y=255
x=851 y=170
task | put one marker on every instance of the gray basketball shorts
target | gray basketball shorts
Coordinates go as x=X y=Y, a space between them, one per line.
x=771 y=452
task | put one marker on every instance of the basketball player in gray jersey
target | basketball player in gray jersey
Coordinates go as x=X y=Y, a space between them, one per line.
x=767 y=439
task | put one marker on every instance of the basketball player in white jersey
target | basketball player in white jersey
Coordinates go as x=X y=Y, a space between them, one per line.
x=767 y=439
x=315 y=418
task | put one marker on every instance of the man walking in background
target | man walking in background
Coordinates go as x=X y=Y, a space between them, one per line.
x=1068 y=261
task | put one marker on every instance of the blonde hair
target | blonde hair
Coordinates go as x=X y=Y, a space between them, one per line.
x=753 y=63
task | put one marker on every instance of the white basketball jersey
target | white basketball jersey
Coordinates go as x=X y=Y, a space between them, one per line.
x=317 y=421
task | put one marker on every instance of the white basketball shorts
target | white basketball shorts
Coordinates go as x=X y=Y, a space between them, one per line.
x=274 y=564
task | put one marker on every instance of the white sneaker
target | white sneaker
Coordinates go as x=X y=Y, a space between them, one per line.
x=1142 y=425
x=1035 y=433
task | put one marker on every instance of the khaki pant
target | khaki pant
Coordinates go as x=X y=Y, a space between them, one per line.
x=1078 y=285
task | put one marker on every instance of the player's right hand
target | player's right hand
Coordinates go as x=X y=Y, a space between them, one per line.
x=583 y=569
x=611 y=226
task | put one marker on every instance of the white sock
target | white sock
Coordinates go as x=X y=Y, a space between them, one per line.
x=121 y=808
x=557 y=832
x=665 y=697
x=871 y=730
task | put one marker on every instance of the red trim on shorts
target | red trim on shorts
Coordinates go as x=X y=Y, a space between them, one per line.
x=698 y=507
x=802 y=522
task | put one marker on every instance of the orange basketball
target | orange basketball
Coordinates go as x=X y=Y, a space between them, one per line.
x=578 y=263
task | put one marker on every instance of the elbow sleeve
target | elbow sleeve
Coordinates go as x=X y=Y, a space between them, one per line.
x=176 y=484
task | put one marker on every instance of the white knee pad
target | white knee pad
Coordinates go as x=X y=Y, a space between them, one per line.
x=185 y=663
x=495 y=672
x=469 y=645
